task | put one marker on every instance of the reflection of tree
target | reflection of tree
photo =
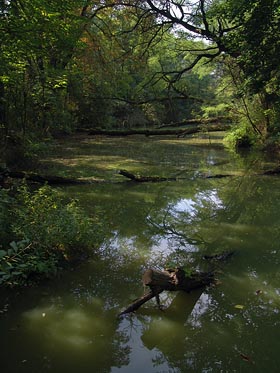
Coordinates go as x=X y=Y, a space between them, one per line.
x=168 y=328
x=211 y=216
x=169 y=333
x=183 y=223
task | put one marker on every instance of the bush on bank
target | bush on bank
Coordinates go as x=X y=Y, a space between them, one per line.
x=40 y=234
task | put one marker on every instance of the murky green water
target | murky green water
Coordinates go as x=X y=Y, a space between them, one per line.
x=71 y=325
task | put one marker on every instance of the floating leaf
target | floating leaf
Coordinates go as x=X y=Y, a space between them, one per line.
x=239 y=306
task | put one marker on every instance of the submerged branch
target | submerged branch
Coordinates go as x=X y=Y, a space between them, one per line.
x=139 y=302
x=171 y=280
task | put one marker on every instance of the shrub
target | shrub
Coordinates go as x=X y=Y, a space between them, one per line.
x=21 y=261
x=45 y=232
x=240 y=137
x=6 y=204
x=215 y=111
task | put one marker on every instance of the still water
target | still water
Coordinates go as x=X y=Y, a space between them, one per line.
x=70 y=324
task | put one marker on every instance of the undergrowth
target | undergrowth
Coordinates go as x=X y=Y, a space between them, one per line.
x=41 y=233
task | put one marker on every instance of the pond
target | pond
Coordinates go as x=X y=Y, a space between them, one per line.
x=71 y=324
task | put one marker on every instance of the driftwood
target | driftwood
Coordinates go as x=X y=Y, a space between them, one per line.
x=171 y=280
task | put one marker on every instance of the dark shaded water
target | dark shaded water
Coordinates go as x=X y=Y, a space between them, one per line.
x=71 y=324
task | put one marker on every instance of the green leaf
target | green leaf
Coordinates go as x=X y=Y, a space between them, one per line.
x=10 y=251
x=14 y=246
x=3 y=253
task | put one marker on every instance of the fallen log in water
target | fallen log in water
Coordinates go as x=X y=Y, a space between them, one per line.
x=142 y=179
x=43 y=179
x=145 y=132
x=179 y=132
x=156 y=179
x=171 y=280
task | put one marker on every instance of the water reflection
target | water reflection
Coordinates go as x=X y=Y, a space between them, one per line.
x=167 y=330
x=71 y=323
x=69 y=327
x=186 y=205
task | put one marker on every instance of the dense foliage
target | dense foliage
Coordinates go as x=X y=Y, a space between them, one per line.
x=40 y=234
x=136 y=63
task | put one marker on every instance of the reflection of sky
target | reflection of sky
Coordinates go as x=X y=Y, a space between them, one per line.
x=185 y=205
x=127 y=249
x=189 y=206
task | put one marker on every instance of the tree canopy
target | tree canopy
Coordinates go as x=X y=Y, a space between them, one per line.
x=137 y=63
